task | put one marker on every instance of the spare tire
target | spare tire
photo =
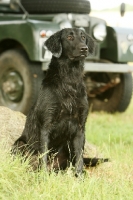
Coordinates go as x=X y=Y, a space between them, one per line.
x=56 y=6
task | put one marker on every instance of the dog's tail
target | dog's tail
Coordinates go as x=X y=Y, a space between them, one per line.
x=93 y=162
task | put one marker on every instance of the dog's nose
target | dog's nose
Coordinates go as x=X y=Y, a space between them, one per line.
x=84 y=49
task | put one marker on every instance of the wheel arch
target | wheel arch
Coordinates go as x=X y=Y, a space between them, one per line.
x=11 y=44
x=19 y=34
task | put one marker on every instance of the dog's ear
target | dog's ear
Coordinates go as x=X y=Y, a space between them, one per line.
x=54 y=44
x=90 y=43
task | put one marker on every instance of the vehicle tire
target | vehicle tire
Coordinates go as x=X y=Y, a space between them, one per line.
x=56 y=6
x=115 y=99
x=20 y=81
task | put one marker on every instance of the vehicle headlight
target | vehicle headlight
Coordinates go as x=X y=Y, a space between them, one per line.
x=65 y=24
x=100 y=32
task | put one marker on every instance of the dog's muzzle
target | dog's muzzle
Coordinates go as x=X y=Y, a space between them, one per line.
x=82 y=54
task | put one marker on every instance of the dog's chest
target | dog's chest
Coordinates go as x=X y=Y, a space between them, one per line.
x=69 y=105
x=73 y=102
x=70 y=118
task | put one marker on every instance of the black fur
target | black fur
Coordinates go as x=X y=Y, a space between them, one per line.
x=56 y=123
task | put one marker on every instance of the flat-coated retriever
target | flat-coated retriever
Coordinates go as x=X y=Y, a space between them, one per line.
x=56 y=122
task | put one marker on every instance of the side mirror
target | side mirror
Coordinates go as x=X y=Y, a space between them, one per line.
x=122 y=9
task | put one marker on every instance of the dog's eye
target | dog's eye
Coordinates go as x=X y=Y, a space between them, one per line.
x=70 y=37
x=83 y=37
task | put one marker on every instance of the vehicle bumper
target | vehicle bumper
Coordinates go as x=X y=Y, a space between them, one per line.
x=108 y=67
x=101 y=67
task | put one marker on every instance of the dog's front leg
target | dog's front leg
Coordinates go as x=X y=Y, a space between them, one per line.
x=44 y=140
x=78 y=147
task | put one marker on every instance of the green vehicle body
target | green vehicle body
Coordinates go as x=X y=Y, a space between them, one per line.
x=26 y=33
x=112 y=55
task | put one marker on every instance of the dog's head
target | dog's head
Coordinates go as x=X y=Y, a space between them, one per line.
x=72 y=43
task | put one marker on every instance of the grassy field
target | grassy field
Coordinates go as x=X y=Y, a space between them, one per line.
x=113 y=136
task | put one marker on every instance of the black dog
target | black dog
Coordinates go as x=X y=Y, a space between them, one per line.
x=56 y=123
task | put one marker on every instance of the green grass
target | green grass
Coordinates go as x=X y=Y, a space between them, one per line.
x=112 y=134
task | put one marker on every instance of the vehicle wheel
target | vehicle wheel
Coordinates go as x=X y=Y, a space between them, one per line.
x=115 y=99
x=56 y=6
x=20 y=81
